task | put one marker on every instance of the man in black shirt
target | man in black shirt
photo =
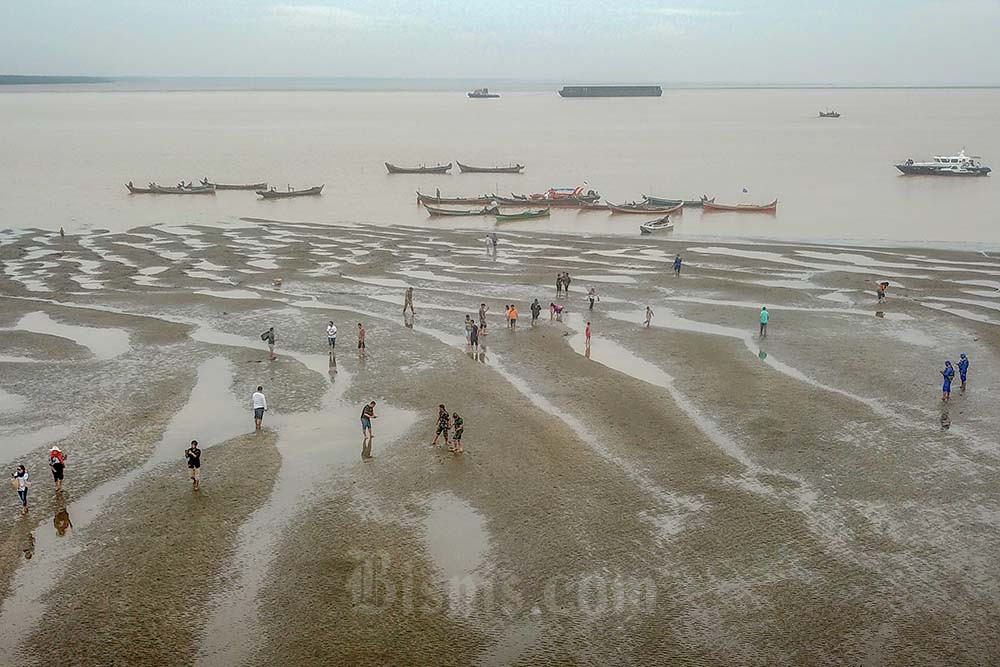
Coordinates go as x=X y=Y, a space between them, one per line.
x=536 y=309
x=367 y=415
x=193 y=455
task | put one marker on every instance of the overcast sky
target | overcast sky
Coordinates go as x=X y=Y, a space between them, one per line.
x=836 y=41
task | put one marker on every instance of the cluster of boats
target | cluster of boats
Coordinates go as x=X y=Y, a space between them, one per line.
x=445 y=168
x=206 y=187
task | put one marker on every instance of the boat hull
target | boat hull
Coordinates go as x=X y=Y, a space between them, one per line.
x=660 y=201
x=438 y=169
x=451 y=213
x=611 y=91
x=524 y=215
x=647 y=210
x=133 y=190
x=743 y=208
x=454 y=201
x=468 y=169
x=182 y=191
x=661 y=225
x=481 y=96
x=247 y=186
x=278 y=194
x=926 y=170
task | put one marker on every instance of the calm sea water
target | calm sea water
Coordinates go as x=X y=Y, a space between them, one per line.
x=66 y=156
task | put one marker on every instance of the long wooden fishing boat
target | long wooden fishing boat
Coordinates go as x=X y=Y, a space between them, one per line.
x=746 y=208
x=646 y=209
x=223 y=186
x=433 y=211
x=568 y=202
x=481 y=200
x=593 y=206
x=659 y=225
x=512 y=169
x=136 y=190
x=523 y=215
x=186 y=190
x=285 y=194
x=660 y=201
x=436 y=169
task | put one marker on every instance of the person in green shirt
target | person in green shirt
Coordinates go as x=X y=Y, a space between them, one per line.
x=764 y=317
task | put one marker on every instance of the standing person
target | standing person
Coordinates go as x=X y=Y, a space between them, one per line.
x=677 y=265
x=513 y=317
x=443 y=425
x=566 y=281
x=367 y=415
x=493 y=239
x=468 y=329
x=949 y=375
x=555 y=311
x=268 y=337
x=459 y=425
x=331 y=336
x=649 y=316
x=586 y=333
x=506 y=314
x=474 y=338
x=259 y=403
x=483 y=309
x=20 y=481
x=361 y=340
x=57 y=461
x=963 y=368
x=764 y=317
x=193 y=455
x=408 y=300
x=881 y=292
x=536 y=310
x=559 y=284
x=62 y=233
x=592 y=295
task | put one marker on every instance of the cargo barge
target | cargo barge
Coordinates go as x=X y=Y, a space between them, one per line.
x=611 y=91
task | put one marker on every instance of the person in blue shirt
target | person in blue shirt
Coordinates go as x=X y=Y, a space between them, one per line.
x=963 y=368
x=949 y=375
x=677 y=265
x=764 y=317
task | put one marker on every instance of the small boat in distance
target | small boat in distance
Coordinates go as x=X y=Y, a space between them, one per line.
x=285 y=194
x=136 y=190
x=747 y=208
x=646 y=208
x=482 y=94
x=946 y=165
x=523 y=215
x=433 y=211
x=481 y=200
x=659 y=225
x=611 y=91
x=221 y=186
x=512 y=169
x=660 y=201
x=436 y=169
x=182 y=189
x=829 y=114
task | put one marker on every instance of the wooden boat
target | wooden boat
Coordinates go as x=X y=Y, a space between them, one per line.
x=467 y=169
x=481 y=200
x=482 y=94
x=659 y=225
x=448 y=212
x=437 y=169
x=522 y=201
x=593 y=206
x=829 y=114
x=285 y=194
x=747 y=208
x=646 y=209
x=136 y=190
x=660 y=201
x=223 y=186
x=186 y=190
x=523 y=215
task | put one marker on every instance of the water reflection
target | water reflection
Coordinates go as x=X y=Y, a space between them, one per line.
x=762 y=355
x=61 y=521
x=945 y=420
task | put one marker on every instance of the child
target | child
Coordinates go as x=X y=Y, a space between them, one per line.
x=459 y=425
x=587 y=334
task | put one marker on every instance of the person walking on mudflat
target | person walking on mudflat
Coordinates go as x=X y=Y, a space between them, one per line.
x=963 y=369
x=474 y=338
x=592 y=295
x=677 y=265
x=459 y=425
x=57 y=462
x=649 y=316
x=536 y=310
x=764 y=317
x=19 y=478
x=193 y=456
x=361 y=340
x=513 y=317
x=408 y=300
x=949 y=375
x=331 y=336
x=483 y=309
x=259 y=403
x=559 y=284
x=443 y=426
x=268 y=337
x=367 y=415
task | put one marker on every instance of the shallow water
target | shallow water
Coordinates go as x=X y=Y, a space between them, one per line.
x=104 y=343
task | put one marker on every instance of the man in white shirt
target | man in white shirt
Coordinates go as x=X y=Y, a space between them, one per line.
x=259 y=406
x=331 y=336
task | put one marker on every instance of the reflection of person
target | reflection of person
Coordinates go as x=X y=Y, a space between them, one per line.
x=61 y=521
x=193 y=455
x=259 y=402
x=367 y=415
x=57 y=461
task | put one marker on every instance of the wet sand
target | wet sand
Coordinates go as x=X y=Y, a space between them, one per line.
x=685 y=493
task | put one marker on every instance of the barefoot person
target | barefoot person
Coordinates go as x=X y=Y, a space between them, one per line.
x=555 y=311
x=764 y=317
x=268 y=337
x=963 y=368
x=592 y=295
x=483 y=309
x=331 y=336
x=193 y=456
x=367 y=415
x=443 y=426
x=259 y=403
x=586 y=334
x=57 y=462
x=459 y=425
x=513 y=317
x=677 y=265
x=949 y=375
x=361 y=340
x=408 y=300
x=649 y=316
x=474 y=338
x=20 y=480
x=536 y=310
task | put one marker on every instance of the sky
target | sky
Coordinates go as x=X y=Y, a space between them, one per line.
x=912 y=42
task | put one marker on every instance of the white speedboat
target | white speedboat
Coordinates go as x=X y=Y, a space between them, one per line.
x=946 y=165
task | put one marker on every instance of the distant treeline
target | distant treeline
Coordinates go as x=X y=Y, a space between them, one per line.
x=20 y=79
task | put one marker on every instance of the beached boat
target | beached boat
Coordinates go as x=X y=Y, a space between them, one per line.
x=185 y=190
x=285 y=194
x=449 y=212
x=565 y=202
x=523 y=215
x=482 y=94
x=646 y=209
x=660 y=201
x=659 y=225
x=746 y=208
x=829 y=114
x=223 y=186
x=136 y=190
x=512 y=169
x=481 y=200
x=436 y=169
x=946 y=165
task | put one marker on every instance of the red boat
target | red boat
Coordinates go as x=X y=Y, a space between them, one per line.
x=746 y=208
x=646 y=209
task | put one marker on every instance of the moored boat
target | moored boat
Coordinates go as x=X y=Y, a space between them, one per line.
x=660 y=201
x=659 y=225
x=646 y=208
x=182 y=189
x=481 y=200
x=523 y=215
x=468 y=169
x=563 y=202
x=592 y=206
x=829 y=114
x=946 y=165
x=746 y=208
x=433 y=211
x=136 y=190
x=436 y=169
x=482 y=94
x=285 y=194
x=223 y=186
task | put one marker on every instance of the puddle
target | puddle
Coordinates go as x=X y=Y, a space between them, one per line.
x=264 y=263
x=103 y=343
x=959 y=312
x=777 y=308
x=379 y=282
x=211 y=415
x=16 y=445
x=455 y=535
x=428 y=275
x=9 y=359
x=229 y=293
x=10 y=403
x=623 y=280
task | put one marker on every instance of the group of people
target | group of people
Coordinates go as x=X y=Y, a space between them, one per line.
x=562 y=283
x=949 y=375
x=20 y=479
x=446 y=423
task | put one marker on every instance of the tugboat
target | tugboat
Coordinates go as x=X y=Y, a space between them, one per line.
x=829 y=114
x=946 y=165
x=482 y=94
